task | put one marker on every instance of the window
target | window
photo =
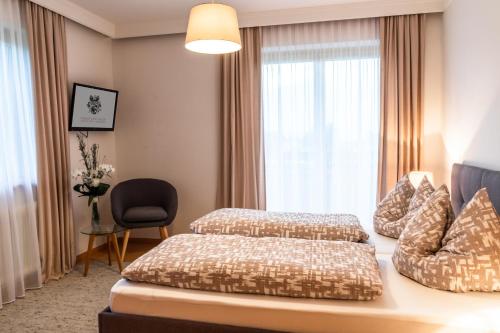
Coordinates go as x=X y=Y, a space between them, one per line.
x=17 y=124
x=320 y=103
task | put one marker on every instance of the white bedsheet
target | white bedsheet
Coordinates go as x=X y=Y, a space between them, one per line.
x=405 y=307
x=383 y=244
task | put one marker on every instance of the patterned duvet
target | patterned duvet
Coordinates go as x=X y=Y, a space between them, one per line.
x=268 y=266
x=259 y=223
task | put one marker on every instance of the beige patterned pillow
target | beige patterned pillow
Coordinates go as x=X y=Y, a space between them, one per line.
x=423 y=192
x=423 y=234
x=471 y=247
x=470 y=257
x=393 y=207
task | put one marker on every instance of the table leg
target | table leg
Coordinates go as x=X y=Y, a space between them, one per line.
x=117 y=252
x=89 y=254
x=109 y=249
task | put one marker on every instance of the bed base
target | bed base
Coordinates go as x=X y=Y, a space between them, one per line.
x=111 y=322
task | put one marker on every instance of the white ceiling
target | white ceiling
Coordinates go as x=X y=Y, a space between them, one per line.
x=136 y=18
x=132 y=11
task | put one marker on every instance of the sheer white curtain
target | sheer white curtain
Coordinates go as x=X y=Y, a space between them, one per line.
x=19 y=252
x=320 y=102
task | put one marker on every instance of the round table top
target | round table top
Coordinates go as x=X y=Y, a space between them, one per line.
x=101 y=229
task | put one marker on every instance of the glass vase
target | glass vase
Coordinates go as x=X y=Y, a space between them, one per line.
x=96 y=220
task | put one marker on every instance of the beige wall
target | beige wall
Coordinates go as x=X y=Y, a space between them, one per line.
x=472 y=83
x=168 y=122
x=433 y=150
x=89 y=62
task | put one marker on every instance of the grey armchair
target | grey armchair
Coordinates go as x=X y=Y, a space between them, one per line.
x=143 y=203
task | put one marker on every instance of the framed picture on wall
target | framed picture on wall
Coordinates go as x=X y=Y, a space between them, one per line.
x=92 y=108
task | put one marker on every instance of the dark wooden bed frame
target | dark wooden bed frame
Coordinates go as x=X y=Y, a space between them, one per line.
x=110 y=322
x=465 y=182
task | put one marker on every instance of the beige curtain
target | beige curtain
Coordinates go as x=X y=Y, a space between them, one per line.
x=47 y=40
x=241 y=182
x=402 y=70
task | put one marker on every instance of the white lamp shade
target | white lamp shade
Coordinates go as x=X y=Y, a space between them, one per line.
x=416 y=177
x=213 y=29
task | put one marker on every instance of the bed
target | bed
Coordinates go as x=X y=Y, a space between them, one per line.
x=404 y=306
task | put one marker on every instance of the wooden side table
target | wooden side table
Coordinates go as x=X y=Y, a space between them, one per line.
x=108 y=230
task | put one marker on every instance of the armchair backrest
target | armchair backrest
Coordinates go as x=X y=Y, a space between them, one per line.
x=143 y=192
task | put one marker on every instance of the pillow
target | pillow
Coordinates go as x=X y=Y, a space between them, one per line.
x=394 y=206
x=423 y=234
x=423 y=192
x=471 y=247
x=470 y=257
x=391 y=225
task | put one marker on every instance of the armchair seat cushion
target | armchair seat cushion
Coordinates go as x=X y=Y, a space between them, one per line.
x=145 y=214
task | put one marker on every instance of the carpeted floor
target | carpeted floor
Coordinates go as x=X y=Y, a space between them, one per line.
x=68 y=305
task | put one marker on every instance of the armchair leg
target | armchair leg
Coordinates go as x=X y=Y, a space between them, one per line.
x=126 y=235
x=117 y=252
x=163 y=232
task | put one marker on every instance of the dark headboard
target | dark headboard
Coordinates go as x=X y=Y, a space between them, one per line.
x=466 y=180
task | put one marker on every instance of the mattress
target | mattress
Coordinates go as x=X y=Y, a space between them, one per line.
x=405 y=306
x=260 y=223
x=267 y=265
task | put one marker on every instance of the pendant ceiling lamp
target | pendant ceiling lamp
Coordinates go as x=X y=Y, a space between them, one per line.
x=213 y=29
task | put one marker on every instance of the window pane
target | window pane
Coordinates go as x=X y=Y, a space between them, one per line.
x=17 y=124
x=321 y=125
x=352 y=126
x=288 y=97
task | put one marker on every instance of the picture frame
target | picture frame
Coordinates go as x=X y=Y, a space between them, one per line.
x=92 y=108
